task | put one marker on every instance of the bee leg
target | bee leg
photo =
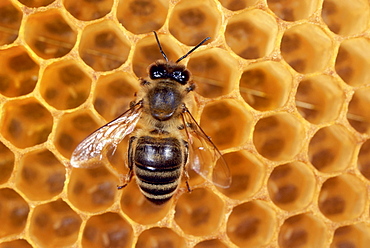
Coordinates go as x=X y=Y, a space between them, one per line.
x=190 y=88
x=130 y=163
x=187 y=181
x=186 y=175
x=127 y=180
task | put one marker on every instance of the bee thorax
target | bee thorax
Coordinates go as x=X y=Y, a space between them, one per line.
x=163 y=101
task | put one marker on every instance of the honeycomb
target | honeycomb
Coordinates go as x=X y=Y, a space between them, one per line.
x=282 y=88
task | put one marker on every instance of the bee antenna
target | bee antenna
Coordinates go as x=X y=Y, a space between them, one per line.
x=160 y=47
x=192 y=50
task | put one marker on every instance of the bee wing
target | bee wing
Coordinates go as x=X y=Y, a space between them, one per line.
x=204 y=153
x=105 y=138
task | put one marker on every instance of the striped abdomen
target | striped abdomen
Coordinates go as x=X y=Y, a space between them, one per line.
x=158 y=164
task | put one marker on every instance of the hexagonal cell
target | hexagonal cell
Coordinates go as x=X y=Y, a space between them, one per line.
x=92 y=190
x=72 y=129
x=107 y=230
x=212 y=243
x=18 y=243
x=251 y=34
x=54 y=224
x=49 y=35
x=139 y=209
x=247 y=174
x=103 y=46
x=356 y=235
x=346 y=18
x=265 y=85
x=251 y=224
x=36 y=3
x=6 y=164
x=278 y=137
x=331 y=149
x=226 y=122
x=192 y=21
x=303 y=230
x=199 y=212
x=319 y=99
x=342 y=198
x=352 y=63
x=113 y=94
x=306 y=48
x=19 y=72
x=213 y=76
x=13 y=212
x=142 y=16
x=65 y=85
x=26 y=122
x=292 y=10
x=358 y=115
x=363 y=161
x=88 y=10
x=147 y=52
x=235 y=5
x=160 y=237
x=291 y=186
x=10 y=21
x=40 y=175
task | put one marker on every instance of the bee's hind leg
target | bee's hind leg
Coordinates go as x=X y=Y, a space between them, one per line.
x=186 y=154
x=130 y=163
x=186 y=175
x=127 y=180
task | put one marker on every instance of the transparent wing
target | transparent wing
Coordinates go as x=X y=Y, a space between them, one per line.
x=106 y=138
x=204 y=154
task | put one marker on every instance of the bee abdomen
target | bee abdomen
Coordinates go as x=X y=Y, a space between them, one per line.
x=158 y=167
x=158 y=193
x=157 y=185
x=156 y=153
x=157 y=176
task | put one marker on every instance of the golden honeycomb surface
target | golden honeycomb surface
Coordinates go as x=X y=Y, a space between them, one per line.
x=282 y=88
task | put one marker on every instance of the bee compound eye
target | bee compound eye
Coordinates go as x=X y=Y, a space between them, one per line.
x=157 y=71
x=181 y=76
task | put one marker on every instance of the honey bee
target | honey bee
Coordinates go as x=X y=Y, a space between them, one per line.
x=158 y=151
